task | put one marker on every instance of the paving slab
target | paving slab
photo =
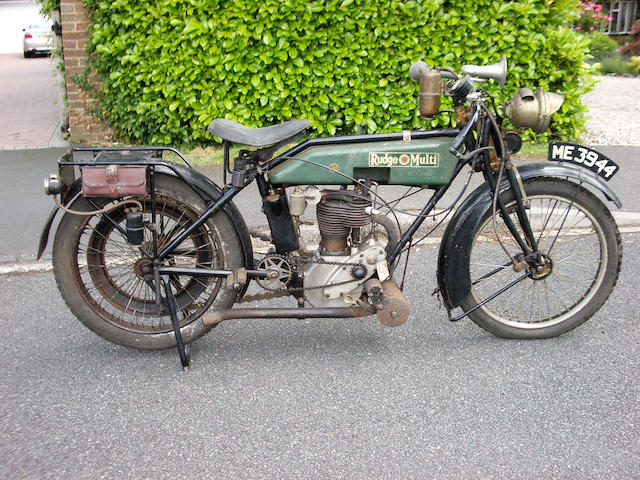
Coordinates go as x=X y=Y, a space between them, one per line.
x=31 y=109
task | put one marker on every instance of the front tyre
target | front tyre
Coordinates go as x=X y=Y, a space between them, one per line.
x=104 y=280
x=579 y=238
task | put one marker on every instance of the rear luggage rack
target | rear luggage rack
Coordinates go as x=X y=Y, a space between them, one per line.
x=122 y=156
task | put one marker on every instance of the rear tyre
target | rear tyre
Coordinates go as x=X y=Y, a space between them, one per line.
x=102 y=278
x=577 y=234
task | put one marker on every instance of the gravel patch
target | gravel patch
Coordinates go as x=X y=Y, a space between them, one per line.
x=614 y=106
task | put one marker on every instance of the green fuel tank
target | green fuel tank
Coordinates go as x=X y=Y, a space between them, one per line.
x=423 y=161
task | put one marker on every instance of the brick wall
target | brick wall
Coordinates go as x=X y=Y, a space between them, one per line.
x=83 y=127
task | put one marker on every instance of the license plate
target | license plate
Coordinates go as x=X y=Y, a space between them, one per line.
x=583 y=156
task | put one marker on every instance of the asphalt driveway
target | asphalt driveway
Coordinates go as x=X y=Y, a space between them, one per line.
x=322 y=398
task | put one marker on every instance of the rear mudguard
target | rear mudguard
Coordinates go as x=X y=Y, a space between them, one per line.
x=202 y=185
x=455 y=249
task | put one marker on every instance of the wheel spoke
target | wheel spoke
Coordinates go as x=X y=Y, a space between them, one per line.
x=109 y=268
x=573 y=235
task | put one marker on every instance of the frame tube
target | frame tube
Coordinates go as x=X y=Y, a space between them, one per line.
x=208 y=272
x=408 y=235
x=224 y=199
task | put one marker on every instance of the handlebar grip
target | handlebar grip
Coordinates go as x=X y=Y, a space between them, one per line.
x=417 y=68
x=459 y=140
x=457 y=143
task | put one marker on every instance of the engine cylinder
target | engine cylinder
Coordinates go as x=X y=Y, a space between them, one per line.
x=337 y=214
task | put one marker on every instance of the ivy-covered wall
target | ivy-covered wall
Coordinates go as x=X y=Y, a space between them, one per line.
x=81 y=83
x=170 y=67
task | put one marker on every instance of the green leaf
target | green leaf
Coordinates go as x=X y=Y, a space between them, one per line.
x=167 y=68
x=371 y=125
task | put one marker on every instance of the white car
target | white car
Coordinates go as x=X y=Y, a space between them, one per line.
x=38 y=39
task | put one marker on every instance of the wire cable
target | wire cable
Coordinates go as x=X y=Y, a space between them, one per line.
x=96 y=212
x=387 y=204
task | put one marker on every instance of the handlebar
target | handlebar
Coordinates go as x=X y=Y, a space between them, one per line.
x=459 y=140
x=417 y=69
x=496 y=71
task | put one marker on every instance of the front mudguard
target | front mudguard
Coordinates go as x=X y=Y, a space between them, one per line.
x=454 y=281
x=203 y=186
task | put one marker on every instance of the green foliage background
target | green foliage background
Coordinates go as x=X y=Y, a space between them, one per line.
x=170 y=67
x=47 y=6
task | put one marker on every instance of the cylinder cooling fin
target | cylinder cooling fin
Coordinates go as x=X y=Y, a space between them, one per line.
x=338 y=213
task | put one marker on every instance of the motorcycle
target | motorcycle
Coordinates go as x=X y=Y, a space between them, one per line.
x=152 y=254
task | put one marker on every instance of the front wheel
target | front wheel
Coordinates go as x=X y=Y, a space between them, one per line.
x=105 y=281
x=582 y=252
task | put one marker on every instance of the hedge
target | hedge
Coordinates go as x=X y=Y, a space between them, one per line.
x=169 y=68
x=48 y=6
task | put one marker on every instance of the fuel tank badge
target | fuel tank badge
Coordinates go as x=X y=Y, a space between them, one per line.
x=399 y=159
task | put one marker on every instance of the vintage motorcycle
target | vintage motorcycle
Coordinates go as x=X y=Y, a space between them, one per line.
x=151 y=254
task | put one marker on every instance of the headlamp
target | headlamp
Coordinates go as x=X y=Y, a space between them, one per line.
x=526 y=110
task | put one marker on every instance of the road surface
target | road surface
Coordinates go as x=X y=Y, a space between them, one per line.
x=322 y=398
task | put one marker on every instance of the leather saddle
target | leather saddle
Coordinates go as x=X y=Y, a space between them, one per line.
x=256 y=137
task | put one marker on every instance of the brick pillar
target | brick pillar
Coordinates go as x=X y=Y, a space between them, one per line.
x=83 y=127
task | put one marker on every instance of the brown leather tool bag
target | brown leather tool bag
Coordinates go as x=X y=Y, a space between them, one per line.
x=114 y=181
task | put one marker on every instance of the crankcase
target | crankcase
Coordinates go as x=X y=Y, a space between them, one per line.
x=339 y=272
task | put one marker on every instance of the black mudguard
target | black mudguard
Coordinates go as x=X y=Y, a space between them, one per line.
x=455 y=249
x=202 y=185
x=67 y=197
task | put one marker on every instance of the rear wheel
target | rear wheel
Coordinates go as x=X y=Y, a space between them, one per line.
x=582 y=253
x=104 y=280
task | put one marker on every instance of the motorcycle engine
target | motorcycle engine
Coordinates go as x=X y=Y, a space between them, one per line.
x=345 y=261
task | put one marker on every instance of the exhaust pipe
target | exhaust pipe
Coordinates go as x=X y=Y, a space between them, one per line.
x=329 y=312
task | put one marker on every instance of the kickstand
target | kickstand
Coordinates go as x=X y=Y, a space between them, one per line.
x=171 y=305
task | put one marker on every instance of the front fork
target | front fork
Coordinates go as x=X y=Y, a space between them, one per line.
x=519 y=194
x=488 y=130
x=528 y=244
x=530 y=259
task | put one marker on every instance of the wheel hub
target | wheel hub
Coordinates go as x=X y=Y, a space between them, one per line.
x=142 y=267
x=543 y=269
